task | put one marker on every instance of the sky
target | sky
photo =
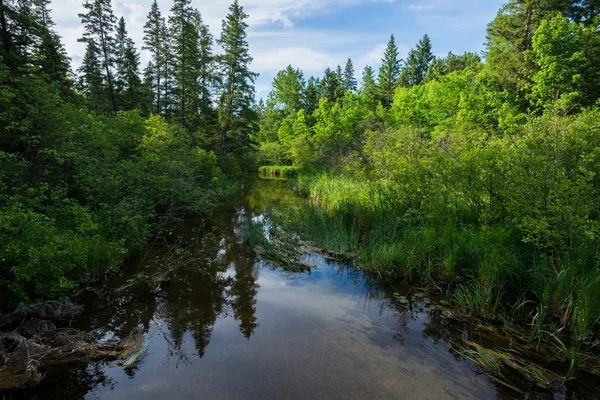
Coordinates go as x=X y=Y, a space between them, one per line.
x=313 y=34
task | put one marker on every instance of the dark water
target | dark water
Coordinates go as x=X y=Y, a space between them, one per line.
x=229 y=326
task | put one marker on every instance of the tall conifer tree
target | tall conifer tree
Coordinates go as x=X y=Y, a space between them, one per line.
x=237 y=91
x=154 y=43
x=349 y=79
x=389 y=73
x=99 y=22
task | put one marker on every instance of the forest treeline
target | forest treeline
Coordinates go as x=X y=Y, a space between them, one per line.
x=480 y=174
x=94 y=161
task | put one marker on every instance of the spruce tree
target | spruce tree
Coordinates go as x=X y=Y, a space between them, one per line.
x=207 y=79
x=127 y=82
x=185 y=37
x=153 y=42
x=311 y=95
x=129 y=75
x=49 y=53
x=168 y=61
x=389 y=73
x=99 y=22
x=237 y=91
x=417 y=64
x=349 y=79
x=91 y=82
x=369 y=87
x=331 y=87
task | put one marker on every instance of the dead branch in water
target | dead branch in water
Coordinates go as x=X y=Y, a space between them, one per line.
x=31 y=343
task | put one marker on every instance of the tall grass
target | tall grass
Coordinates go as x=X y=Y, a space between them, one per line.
x=490 y=270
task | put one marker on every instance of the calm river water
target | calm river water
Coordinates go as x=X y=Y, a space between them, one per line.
x=227 y=325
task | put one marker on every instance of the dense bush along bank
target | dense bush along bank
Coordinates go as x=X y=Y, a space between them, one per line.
x=481 y=177
x=92 y=165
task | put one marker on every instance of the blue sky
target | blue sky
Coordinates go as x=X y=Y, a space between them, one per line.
x=315 y=34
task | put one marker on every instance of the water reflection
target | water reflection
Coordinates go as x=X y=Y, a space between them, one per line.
x=229 y=326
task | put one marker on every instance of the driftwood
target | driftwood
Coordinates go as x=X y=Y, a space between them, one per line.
x=30 y=343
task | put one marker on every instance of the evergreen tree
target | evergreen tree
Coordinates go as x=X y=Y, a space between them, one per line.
x=452 y=62
x=369 y=87
x=389 y=73
x=129 y=74
x=127 y=82
x=418 y=62
x=184 y=34
x=50 y=54
x=311 y=95
x=17 y=30
x=331 y=87
x=349 y=79
x=288 y=87
x=339 y=74
x=167 y=72
x=91 y=82
x=99 y=24
x=237 y=91
x=154 y=43
x=207 y=79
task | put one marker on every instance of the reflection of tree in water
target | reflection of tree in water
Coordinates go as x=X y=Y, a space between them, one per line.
x=76 y=384
x=243 y=292
x=197 y=296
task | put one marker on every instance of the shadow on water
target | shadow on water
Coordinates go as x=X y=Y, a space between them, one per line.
x=222 y=324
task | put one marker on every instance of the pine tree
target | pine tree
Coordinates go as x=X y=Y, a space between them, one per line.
x=418 y=62
x=185 y=38
x=50 y=54
x=369 y=87
x=167 y=72
x=99 y=24
x=153 y=42
x=311 y=95
x=389 y=73
x=18 y=31
x=207 y=78
x=331 y=86
x=129 y=74
x=128 y=83
x=238 y=81
x=91 y=82
x=349 y=79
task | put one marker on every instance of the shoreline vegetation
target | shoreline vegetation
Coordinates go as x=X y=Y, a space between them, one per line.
x=278 y=170
x=478 y=176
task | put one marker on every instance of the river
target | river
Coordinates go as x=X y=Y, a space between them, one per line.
x=226 y=325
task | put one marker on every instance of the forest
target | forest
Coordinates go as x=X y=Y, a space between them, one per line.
x=478 y=173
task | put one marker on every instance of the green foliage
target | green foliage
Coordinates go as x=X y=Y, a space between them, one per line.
x=389 y=72
x=564 y=53
x=78 y=191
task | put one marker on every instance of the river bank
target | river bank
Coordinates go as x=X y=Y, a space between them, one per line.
x=224 y=323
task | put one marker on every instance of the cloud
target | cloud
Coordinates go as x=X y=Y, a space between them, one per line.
x=309 y=34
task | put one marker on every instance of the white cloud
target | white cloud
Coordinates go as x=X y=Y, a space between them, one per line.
x=277 y=35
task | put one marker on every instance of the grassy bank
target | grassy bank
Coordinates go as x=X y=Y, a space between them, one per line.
x=278 y=170
x=488 y=269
